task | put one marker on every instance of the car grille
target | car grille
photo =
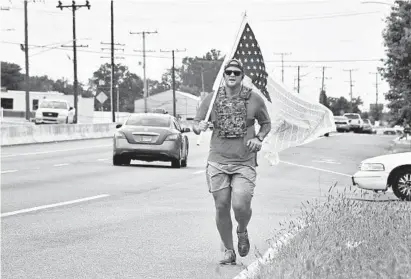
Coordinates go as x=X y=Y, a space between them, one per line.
x=50 y=114
x=344 y=123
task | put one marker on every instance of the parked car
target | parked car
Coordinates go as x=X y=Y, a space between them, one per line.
x=367 y=127
x=55 y=112
x=355 y=122
x=341 y=123
x=151 y=137
x=380 y=173
x=159 y=110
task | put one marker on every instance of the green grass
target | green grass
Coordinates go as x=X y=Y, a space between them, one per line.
x=345 y=238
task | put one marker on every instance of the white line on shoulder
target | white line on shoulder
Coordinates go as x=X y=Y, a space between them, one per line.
x=314 y=168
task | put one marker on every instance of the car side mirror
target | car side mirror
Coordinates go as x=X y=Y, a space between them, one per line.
x=119 y=126
x=71 y=108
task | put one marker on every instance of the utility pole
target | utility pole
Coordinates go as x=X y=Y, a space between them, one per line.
x=376 y=96
x=113 y=115
x=144 y=64
x=282 y=63
x=323 y=78
x=113 y=86
x=174 y=79
x=26 y=53
x=299 y=77
x=351 y=85
x=74 y=7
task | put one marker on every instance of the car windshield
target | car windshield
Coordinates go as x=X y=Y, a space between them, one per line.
x=352 y=116
x=367 y=121
x=145 y=120
x=54 y=105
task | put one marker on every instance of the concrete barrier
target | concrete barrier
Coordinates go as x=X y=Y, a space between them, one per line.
x=14 y=135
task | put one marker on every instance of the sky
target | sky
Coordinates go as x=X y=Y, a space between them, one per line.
x=337 y=34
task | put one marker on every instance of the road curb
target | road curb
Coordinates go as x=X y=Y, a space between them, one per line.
x=254 y=269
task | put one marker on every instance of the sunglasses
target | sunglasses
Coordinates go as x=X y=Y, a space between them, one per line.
x=236 y=73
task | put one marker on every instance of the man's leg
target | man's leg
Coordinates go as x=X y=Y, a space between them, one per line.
x=243 y=184
x=242 y=209
x=222 y=199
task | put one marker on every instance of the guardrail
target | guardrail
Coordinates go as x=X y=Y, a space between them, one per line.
x=25 y=134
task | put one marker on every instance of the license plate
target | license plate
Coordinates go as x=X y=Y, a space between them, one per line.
x=146 y=139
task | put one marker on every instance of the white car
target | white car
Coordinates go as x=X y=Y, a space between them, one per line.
x=55 y=112
x=381 y=172
x=355 y=122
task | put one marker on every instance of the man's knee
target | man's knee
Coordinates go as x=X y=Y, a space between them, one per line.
x=222 y=206
x=222 y=199
x=242 y=206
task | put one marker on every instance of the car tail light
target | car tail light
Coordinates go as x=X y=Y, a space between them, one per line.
x=119 y=135
x=172 y=137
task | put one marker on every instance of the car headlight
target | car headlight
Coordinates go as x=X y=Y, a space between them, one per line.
x=119 y=135
x=38 y=113
x=372 y=167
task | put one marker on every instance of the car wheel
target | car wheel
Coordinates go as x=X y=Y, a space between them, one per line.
x=120 y=160
x=401 y=185
x=177 y=163
x=184 y=162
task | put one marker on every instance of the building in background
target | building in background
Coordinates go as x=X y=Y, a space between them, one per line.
x=186 y=104
x=13 y=103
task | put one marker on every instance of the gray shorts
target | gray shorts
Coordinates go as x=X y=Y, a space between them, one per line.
x=240 y=178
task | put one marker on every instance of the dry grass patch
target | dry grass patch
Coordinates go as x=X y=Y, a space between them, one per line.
x=345 y=238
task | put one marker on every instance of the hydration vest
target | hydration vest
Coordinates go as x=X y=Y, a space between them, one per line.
x=231 y=113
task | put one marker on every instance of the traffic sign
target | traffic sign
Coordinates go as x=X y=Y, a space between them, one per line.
x=101 y=97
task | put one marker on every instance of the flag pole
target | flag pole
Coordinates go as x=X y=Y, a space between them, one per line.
x=219 y=79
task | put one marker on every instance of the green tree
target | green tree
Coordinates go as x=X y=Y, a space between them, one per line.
x=129 y=86
x=11 y=76
x=397 y=64
x=324 y=99
x=341 y=105
x=199 y=72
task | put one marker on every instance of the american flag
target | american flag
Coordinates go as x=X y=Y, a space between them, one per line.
x=249 y=53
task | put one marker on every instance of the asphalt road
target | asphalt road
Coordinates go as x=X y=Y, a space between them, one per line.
x=68 y=213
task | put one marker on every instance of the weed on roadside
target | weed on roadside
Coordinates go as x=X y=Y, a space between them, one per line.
x=344 y=237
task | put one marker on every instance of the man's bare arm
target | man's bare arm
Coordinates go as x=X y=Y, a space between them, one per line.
x=264 y=130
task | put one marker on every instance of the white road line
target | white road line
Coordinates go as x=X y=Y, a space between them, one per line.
x=60 y=165
x=52 y=205
x=8 y=171
x=54 y=151
x=314 y=168
x=326 y=162
x=198 y=172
